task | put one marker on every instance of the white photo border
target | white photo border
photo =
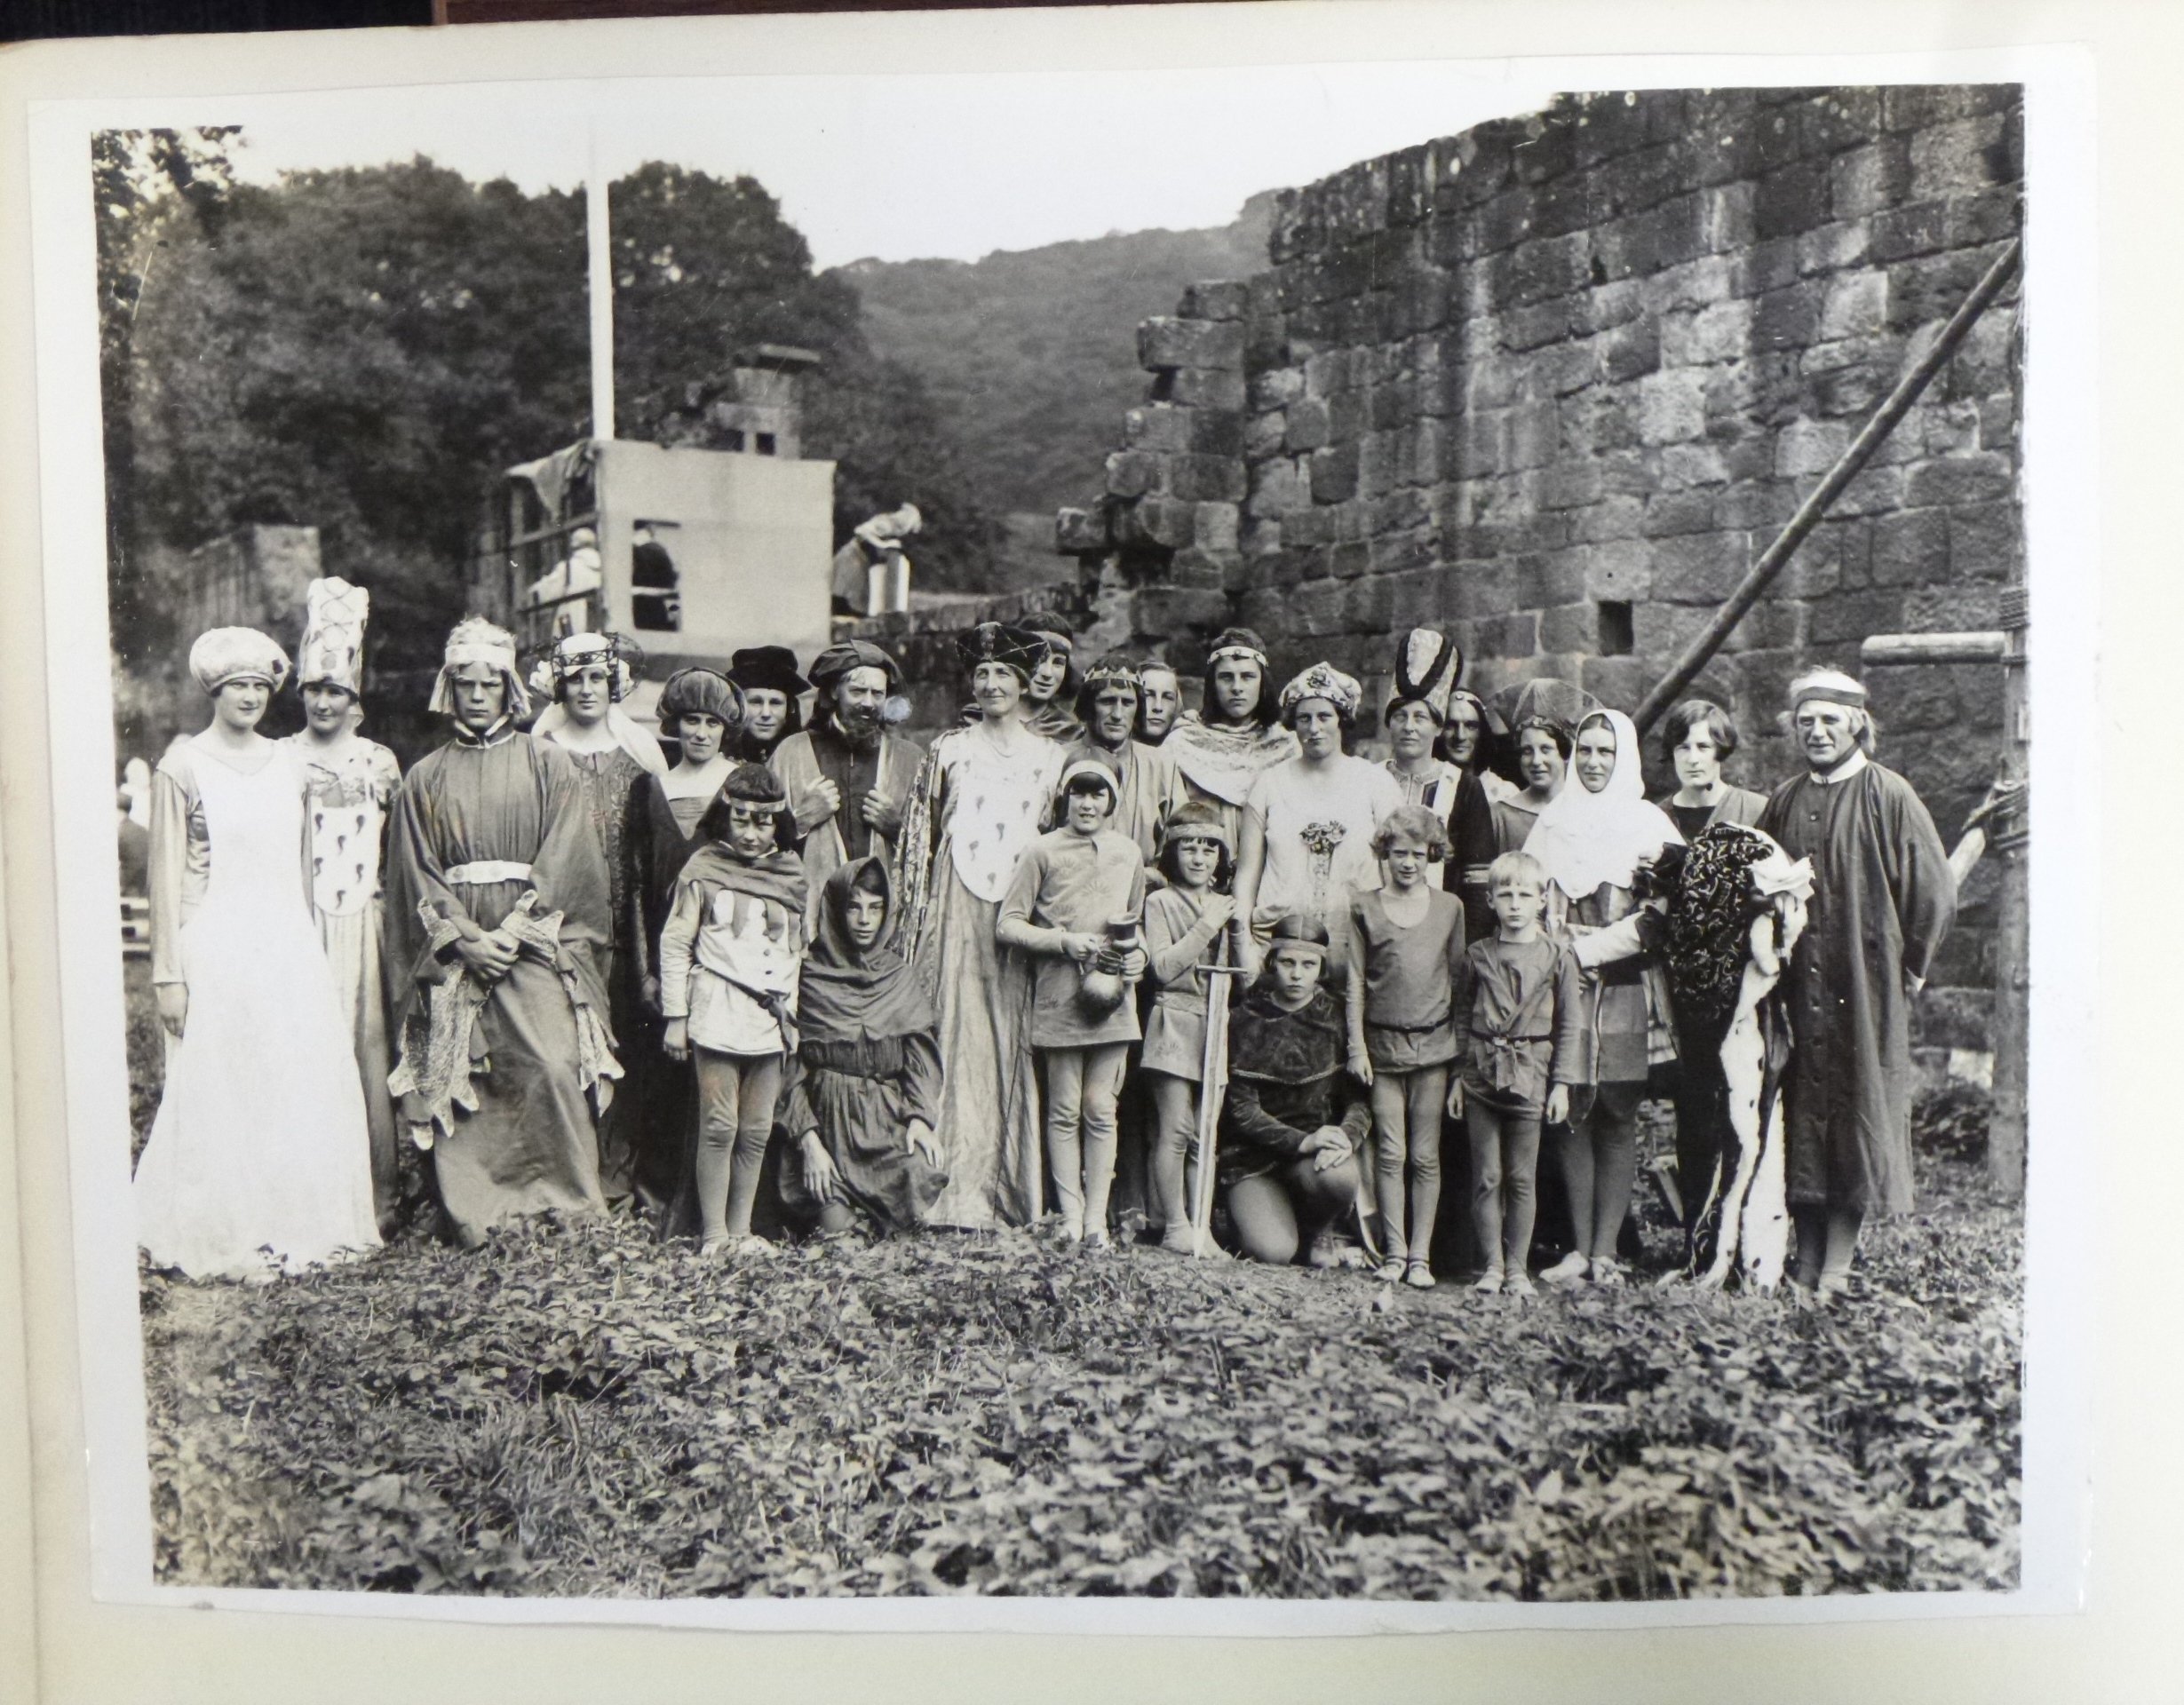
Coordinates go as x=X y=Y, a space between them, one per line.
x=2059 y=493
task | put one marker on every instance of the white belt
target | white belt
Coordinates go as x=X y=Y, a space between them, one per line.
x=488 y=870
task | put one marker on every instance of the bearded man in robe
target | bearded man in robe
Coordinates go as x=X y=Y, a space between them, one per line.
x=849 y=776
x=1883 y=899
x=497 y=907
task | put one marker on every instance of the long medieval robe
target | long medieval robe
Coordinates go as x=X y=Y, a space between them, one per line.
x=477 y=828
x=1883 y=899
x=867 y=1063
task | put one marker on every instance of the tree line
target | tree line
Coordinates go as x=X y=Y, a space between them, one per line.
x=363 y=350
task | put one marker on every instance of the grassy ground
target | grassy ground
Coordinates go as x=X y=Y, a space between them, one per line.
x=577 y=1410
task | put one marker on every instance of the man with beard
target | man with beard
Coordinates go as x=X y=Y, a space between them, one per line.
x=848 y=779
x=766 y=675
x=1160 y=701
x=1883 y=897
x=1108 y=705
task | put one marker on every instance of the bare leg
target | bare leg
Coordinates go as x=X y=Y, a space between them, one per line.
x=1265 y=1223
x=1390 y=1093
x=720 y=1092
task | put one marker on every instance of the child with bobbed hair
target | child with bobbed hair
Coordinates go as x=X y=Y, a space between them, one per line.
x=1406 y=950
x=1183 y=923
x=1520 y=1012
x=729 y=957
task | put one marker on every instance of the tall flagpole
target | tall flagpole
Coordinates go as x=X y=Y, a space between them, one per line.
x=600 y=275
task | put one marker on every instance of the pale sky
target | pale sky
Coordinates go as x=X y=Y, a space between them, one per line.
x=905 y=168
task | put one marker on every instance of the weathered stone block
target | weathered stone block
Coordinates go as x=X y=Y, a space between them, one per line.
x=1534 y=436
x=1395 y=553
x=1216 y=432
x=1206 y=478
x=1264 y=434
x=1333 y=473
x=1310 y=526
x=1507 y=636
x=1792 y=200
x=1832 y=120
x=1961 y=480
x=1368 y=605
x=1621 y=569
x=1160 y=426
x=1156 y=520
x=1570 y=484
x=1632 y=351
x=1760 y=505
x=1764 y=267
x=1672 y=513
x=1133 y=473
x=1957 y=158
x=1167 y=610
x=1686 y=466
x=1728 y=220
x=1201 y=568
x=1847 y=618
x=1856 y=304
x=1953 y=609
x=1671 y=406
x=1553 y=578
x=1165 y=342
x=1787 y=318
x=1899 y=233
x=1871 y=178
x=1619 y=682
x=1205 y=387
x=1809 y=446
x=1987 y=542
x=1218 y=526
x=1542 y=268
x=1831 y=247
x=1224 y=298
x=1536 y=327
x=1719 y=333
x=1569 y=627
x=1079 y=531
x=1874 y=492
x=1699 y=568
x=1277 y=387
x=1660 y=630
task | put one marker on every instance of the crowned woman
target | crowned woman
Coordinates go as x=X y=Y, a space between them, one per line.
x=351 y=782
x=261 y=1151
x=977 y=805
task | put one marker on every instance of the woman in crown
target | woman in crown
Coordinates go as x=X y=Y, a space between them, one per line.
x=350 y=783
x=979 y=803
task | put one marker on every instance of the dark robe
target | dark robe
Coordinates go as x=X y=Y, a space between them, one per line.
x=1287 y=1078
x=529 y=1144
x=1883 y=899
x=659 y=1094
x=867 y=1063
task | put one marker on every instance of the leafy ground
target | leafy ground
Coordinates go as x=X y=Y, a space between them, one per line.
x=577 y=1410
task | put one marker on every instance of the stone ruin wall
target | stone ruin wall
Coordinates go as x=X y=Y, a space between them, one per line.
x=1553 y=384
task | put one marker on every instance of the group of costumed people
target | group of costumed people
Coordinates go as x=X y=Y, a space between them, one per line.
x=813 y=979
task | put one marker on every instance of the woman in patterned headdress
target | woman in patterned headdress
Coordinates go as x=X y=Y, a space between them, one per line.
x=261 y=1146
x=977 y=806
x=351 y=786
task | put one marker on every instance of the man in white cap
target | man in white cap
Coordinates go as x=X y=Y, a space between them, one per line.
x=351 y=782
x=497 y=909
x=1883 y=899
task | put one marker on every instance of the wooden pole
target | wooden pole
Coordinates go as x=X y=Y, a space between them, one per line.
x=2006 y=1131
x=600 y=276
x=1761 y=573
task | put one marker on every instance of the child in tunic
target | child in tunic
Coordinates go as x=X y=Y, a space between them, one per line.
x=1295 y=1118
x=1073 y=883
x=1406 y=952
x=1520 y=999
x=729 y=956
x=1183 y=922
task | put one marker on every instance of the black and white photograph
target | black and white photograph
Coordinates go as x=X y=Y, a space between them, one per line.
x=1255 y=834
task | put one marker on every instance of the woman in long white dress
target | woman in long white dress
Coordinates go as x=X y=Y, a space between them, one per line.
x=978 y=804
x=260 y=1154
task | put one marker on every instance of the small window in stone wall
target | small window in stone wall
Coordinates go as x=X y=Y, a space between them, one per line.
x=1617 y=638
x=765 y=443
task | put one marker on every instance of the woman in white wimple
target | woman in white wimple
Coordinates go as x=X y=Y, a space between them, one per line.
x=260 y=1155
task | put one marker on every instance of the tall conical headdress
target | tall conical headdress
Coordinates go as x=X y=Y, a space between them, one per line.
x=332 y=652
x=1427 y=666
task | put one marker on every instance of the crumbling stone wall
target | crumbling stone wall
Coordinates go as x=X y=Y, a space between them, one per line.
x=1555 y=383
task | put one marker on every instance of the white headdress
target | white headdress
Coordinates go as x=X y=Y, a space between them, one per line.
x=332 y=653
x=476 y=640
x=225 y=654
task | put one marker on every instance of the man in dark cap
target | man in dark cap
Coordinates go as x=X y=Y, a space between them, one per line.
x=767 y=678
x=848 y=778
